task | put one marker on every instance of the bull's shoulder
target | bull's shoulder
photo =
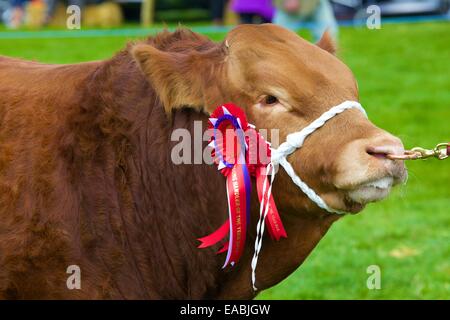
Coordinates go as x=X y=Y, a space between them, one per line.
x=29 y=89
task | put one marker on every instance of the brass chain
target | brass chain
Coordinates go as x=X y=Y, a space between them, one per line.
x=439 y=152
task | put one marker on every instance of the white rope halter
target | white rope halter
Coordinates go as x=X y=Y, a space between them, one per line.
x=293 y=142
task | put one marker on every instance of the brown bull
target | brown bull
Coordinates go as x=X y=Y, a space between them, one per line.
x=86 y=176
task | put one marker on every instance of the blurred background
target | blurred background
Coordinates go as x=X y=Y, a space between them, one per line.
x=113 y=13
x=399 y=52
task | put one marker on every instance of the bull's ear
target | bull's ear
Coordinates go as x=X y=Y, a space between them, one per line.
x=180 y=79
x=327 y=43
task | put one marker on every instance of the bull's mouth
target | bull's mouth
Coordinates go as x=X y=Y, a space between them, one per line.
x=371 y=191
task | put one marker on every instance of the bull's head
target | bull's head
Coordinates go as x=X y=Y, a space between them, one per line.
x=284 y=82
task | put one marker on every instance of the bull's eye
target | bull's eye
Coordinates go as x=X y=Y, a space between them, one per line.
x=270 y=100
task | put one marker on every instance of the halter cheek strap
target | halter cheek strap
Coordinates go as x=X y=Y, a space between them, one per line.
x=293 y=142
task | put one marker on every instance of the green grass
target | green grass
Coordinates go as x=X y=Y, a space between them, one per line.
x=403 y=73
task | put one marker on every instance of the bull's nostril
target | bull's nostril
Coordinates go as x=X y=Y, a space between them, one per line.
x=380 y=155
x=383 y=151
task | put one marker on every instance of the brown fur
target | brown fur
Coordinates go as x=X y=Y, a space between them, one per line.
x=86 y=178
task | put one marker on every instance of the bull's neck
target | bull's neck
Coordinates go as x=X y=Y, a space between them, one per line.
x=198 y=206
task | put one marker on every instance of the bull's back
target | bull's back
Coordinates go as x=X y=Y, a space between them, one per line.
x=21 y=79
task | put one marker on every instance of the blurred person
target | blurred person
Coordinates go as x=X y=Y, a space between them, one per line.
x=217 y=11
x=254 y=11
x=17 y=13
x=293 y=14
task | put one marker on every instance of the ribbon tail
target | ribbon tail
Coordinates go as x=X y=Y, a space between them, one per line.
x=238 y=187
x=274 y=220
x=215 y=237
x=224 y=248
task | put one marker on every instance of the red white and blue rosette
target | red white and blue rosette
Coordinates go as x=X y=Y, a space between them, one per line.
x=230 y=150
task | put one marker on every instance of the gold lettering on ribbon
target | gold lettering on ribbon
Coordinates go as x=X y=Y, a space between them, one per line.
x=272 y=214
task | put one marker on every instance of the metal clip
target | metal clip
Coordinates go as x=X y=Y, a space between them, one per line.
x=442 y=150
x=439 y=152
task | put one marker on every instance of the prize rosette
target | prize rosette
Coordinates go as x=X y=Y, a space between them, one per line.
x=236 y=150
